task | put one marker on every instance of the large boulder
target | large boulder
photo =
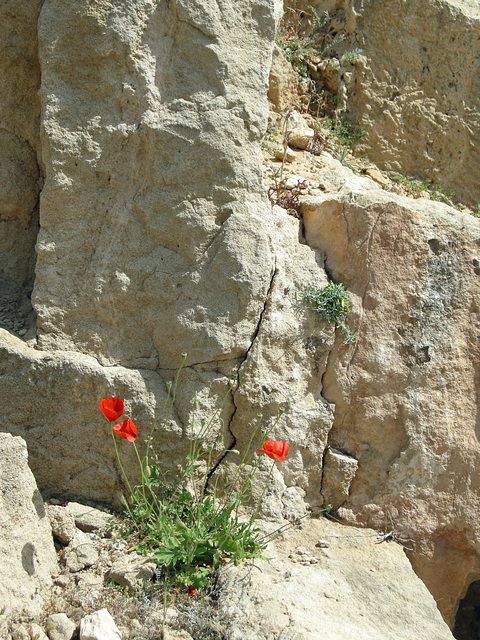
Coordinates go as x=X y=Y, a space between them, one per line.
x=27 y=552
x=328 y=581
x=406 y=393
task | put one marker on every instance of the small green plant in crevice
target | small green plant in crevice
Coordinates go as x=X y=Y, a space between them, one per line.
x=342 y=135
x=271 y=139
x=332 y=303
x=190 y=524
x=305 y=33
x=436 y=191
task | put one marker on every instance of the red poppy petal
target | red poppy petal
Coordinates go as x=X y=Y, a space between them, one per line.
x=126 y=429
x=112 y=408
x=275 y=449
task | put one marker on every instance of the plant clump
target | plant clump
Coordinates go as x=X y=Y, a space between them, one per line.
x=188 y=524
x=332 y=304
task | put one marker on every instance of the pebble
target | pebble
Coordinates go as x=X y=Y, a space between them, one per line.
x=99 y=626
x=60 y=627
x=323 y=544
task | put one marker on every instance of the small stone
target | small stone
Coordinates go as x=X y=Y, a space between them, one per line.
x=20 y=633
x=62 y=581
x=286 y=154
x=62 y=522
x=300 y=137
x=323 y=544
x=22 y=332
x=88 y=518
x=377 y=175
x=37 y=633
x=60 y=627
x=301 y=551
x=176 y=634
x=132 y=571
x=80 y=553
x=295 y=181
x=99 y=626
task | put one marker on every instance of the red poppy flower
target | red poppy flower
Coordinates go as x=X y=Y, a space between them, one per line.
x=275 y=449
x=126 y=429
x=190 y=591
x=112 y=408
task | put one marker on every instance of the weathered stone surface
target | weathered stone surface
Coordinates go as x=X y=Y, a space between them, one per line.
x=164 y=95
x=81 y=552
x=88 y=518
x=132 y=571
x=283 y=83
x=416 y=89
x=356 y=591
x=300 y=138
x=62 y=523
x=37 y=633
x=338 y=472
x=60 y=627
x=406 y=392
x=26 y=544
x=82 y=463
x=99 y=626
x=20 y=178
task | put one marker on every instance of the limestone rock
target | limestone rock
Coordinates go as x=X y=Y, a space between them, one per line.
x=132 y=571
x=20 y=174
x=89 y=518
x=82 y=462
x=176 y=634
x=60 y=627
x=198 y=262
x=27 y=552
x=300 y=138
x=357 y=590
x=99 y=626
x=338 y=472
x=405 y=394
x=81 y=552
x=62 y=523
x=283 y=83
x=37 y=633
x=418 y=100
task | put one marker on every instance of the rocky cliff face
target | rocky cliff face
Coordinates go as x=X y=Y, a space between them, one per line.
x=415 y=87
x=139 y=126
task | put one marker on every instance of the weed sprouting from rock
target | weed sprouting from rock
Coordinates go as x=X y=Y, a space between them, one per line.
x=332 y=304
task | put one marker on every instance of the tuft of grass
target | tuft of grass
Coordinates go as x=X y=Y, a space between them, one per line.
x=436 y=191
x=332 y=304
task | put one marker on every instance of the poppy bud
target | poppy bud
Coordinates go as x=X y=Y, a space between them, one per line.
x=148 y=471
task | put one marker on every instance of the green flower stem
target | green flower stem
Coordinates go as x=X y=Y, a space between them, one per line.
x=121 y=466
x=253 y=517
x=146 y=483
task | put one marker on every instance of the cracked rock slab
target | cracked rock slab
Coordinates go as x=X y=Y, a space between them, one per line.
x=356 y=591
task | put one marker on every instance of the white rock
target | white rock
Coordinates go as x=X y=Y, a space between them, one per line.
x=60 y=627
x=132 y=570
x=27 y=551
x=37 y=633
x=81 y=552
x=99 y=626
x=62 y=523
x=88 y=518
